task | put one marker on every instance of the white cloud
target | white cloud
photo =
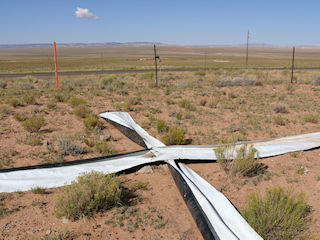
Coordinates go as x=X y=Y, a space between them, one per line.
x=84 y=13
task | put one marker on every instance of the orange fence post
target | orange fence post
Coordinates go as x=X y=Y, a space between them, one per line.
x=56 y=65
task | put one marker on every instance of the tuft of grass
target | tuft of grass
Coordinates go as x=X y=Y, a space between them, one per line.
x=81 y=111
x=61 y=97
x=33 y=140
x=20 y=117
x=14 y=102
x=3 y=84
x=67 y=147
x=279 y=120
x=301 y=169
x=243 y=161
x=278 y=214
x=311 y=118
x=175 y=136
x=74 y=101
x=38 y=190
x=161 y=126
x=29 y=99
x=92 y=121
x=33 y=124
x=281 y=108
x=185 y=103
x=140 y=185
x=5 y=111
x=103 y=147
x=90 y=193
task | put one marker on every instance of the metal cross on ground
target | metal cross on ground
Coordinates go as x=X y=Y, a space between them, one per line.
x=215 y=216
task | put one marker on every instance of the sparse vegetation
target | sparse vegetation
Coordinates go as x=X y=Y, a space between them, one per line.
x=33 y=124
x=279 y=214
x=90 y=193
x=38 y=190
x=81 y=111
x=175 y=136
x=67 y=147
x=243 y=161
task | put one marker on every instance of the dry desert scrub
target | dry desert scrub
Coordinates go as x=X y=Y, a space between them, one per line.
x=90 y=193
x=279 y=214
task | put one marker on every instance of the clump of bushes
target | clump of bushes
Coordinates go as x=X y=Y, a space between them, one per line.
x=243 y=161
x=278 y=214
x=316 y=81
x=5 y=111
x=67 y=147
x=311 y=118
x=30 y=99
x=281 y=108
x=33 y=124
x=74 y=101
x=237 y=81
x=81 y=111
x=161 y=126
x=14 y=102
x=90 y=193
x=61 y=97
x=91 y=122
x=186 y=104
x=175 y=136
x=3 y=84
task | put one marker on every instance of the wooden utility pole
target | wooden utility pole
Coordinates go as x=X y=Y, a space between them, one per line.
x=247 y=49
x=292 y=64
x=205 y=61
x=155 y=61
x=56 y=65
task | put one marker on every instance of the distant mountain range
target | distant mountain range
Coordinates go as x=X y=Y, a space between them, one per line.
x=45 y=45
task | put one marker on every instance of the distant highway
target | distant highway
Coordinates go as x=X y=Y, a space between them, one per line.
x=101 y=72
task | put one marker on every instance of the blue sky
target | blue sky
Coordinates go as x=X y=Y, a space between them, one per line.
x=188 y=22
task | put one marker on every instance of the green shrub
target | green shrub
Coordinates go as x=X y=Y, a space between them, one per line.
x=316 y=81
x=74 y=101
x=13 y=102
x=33 y=140
x=67 y=147
x=91 y=122
x=246 y=160
x=202 y=102
x=175 y=136
x=311 y=118
x=33 y=124
x=279 y=120
x=5 y=111
x=278 y=215
x=280 y=108
x=102 y=147
x=148 y=75
x=90 y=193
x=61 y=97
x=25 y=86
x=161 y=126
x=243 y=161
x=3 y=84
x=38 y=190
x=185 y=103
x=20 y=117
x=200 y=73
x=81 y=111
x=29 y=99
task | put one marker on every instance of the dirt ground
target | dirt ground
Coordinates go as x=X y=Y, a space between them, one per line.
x=247 y=113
